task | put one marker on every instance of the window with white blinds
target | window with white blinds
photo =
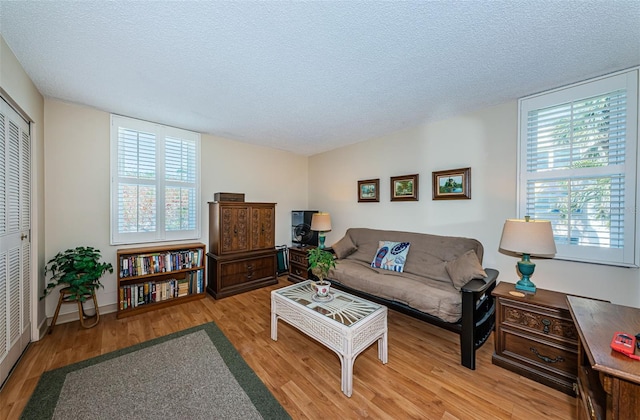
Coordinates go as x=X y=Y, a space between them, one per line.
x=578 y=152
x=155 y=188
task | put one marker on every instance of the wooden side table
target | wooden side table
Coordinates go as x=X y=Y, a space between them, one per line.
x=536 y=337
x=298 y=264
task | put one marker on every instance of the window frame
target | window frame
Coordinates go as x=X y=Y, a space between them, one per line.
x=161 y=132
x=628 y=255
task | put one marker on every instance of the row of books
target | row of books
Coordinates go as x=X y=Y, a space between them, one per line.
x=134 y=295
x=143 y=264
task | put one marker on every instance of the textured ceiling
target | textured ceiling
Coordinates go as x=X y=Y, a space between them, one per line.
x=311 y=76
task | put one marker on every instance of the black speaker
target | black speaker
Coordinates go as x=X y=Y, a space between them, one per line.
x=301 y=233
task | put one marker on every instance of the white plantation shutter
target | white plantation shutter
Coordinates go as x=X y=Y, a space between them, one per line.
x=137 y=181
x=577 y=168
x=180 y=184
x=155 y=182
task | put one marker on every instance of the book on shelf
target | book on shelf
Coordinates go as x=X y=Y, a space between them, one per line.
x=160 y=262
x=135 y=295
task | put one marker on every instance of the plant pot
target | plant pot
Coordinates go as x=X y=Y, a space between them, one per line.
x=322 y=288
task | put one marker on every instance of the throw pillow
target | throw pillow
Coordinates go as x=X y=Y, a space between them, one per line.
x=344 y=247
x=464 y=268
x=391 y=255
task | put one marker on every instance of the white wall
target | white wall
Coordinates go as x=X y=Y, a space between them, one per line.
x=19 y=88
x=77 y=190
x=485 y=141
x=77 y=184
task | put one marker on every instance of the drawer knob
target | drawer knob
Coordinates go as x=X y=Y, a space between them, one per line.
x=546 y=324
x=545 y=358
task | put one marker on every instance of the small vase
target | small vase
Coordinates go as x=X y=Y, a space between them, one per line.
x=322 y=288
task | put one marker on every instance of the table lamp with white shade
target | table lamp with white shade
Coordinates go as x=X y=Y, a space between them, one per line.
x=321 y=222
x=527 y=237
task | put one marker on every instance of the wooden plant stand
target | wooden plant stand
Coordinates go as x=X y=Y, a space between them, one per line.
x=65 y=297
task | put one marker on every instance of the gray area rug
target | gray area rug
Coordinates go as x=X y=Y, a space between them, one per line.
x=192 y=374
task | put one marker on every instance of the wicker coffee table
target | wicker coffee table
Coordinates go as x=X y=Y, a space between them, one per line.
x=344 y=323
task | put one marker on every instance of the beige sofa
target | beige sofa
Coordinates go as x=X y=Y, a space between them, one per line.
x=443 y=281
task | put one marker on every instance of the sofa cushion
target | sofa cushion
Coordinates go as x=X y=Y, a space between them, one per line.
x=464 y=268
x=344 y=247
x=391 y=255
x=436 y=298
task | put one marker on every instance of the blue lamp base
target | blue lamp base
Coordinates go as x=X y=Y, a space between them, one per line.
x=526 y=268
x=321 y=239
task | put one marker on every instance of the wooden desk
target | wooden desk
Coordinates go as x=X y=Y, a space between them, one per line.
x=608 y=382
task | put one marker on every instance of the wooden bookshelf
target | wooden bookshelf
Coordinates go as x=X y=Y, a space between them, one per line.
x=155 y=277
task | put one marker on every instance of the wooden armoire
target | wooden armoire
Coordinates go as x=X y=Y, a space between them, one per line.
x=242 y=254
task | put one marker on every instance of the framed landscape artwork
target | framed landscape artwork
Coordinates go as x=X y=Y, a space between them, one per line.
x=404 y=188
x=454 y=184
x=368 y=191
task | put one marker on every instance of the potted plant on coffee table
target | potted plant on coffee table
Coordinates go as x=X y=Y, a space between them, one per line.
x=320 y=262
x=79 y=270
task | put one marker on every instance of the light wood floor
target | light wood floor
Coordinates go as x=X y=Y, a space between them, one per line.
x=423 y=378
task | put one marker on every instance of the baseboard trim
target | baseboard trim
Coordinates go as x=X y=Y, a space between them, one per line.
x=75 y=316
x=43 y=327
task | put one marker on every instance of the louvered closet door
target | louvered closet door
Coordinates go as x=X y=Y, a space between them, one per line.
x=15 y=250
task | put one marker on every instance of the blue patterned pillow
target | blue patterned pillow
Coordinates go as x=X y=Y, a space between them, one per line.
x=391 y=255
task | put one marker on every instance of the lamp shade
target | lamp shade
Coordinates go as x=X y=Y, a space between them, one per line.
x=526 y=236
x=321 y=222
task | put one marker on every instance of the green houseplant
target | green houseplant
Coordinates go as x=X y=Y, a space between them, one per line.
x=79 y=270
x=320 y=262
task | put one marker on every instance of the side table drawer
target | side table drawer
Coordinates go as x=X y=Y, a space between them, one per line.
x=298 y=257
x=546 y=321
x=299 y=270
x=541 y=356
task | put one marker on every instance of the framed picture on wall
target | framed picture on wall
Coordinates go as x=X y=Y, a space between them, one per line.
x=404 y=188
x=454 y=184
x=369 y=191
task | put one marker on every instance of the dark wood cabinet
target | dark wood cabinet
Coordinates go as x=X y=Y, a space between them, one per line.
x=536 y=337
x=608 y=382
x=241 y=227
x=242 y=254
x=263 y=230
